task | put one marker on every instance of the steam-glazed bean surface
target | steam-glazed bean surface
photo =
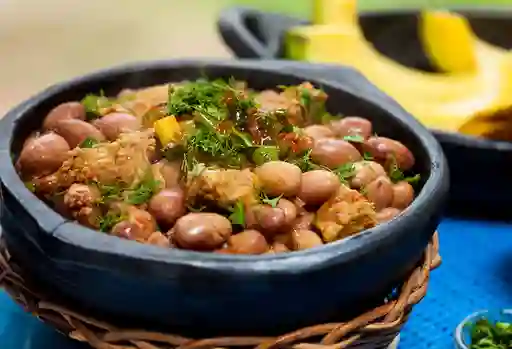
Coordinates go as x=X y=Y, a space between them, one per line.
x=214 y=166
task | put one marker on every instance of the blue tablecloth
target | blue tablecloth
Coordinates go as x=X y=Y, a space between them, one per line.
x=477 y=259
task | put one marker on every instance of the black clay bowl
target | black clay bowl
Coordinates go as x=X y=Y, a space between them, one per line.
x=255 y=34
x=211 y=294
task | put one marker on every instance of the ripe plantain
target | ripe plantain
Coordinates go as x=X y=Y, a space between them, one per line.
x=441 y=101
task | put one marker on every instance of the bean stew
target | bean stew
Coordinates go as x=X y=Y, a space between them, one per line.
x=215 y=166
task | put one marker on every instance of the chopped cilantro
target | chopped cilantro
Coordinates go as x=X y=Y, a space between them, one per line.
x=354 y=138
x=272 y=202
x=485 y=334
x=237 y=216
x=88 y=143
x=94 y=103
x=345 y=172
x=143 y=192
x=30 y=186
x=109 y=220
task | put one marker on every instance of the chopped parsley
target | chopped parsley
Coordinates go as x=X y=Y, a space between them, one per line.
x=143 y=192
x=272 y=202
x=354 y=138
x=485 y=334
x=93 y=105
x=109 y=220
x=88 y=143
x=237 y=216
x=345 y=172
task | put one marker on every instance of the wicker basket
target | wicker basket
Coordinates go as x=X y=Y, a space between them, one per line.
x=374 y=329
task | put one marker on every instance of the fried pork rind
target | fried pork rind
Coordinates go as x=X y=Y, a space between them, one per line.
x=122 y=161
x=223 y=186
x=346 y=213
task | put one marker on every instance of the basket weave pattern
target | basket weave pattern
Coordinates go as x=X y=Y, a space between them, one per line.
x=374 y=329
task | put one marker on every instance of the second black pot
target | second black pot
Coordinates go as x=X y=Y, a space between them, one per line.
x=479 y=169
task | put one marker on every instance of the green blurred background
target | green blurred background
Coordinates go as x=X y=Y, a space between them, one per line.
x=302 y=8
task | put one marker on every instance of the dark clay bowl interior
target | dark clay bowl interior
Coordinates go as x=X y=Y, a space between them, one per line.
x=254 y=34
x=138 y=285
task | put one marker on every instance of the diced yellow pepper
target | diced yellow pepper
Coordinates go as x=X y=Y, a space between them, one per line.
x=167 y=129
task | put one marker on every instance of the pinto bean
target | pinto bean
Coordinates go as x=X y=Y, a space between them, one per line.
x=202 y=231
x=351 y=126
x=279 y=178
x=248 y=242
x=167 y=206
x=42 y=155
x=386 y=151
x=317 y=186
x=113 y=124
x=334 y=152
x=64 y=111
x=76 y=131
x=366 y=172
x=379 y=192
x=403 y=195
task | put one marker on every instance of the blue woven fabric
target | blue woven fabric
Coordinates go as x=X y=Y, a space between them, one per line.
x=475 y=274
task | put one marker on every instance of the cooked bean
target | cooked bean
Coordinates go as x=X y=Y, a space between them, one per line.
x=366 y=172
x=159 y=239
x=403 y=194
x=379 y=192
x=279 y=178
x=76 y=131
x=318 y=132
x=202 y=231
x=387 y=214
x=171 y=172
x=143 y=220
x=88 y=216
x=334 y=152
x=64 y=111
x=113 y=124
x=269 y=219
x=43 y=155
x=386 y=151
x=167 y=206
x=31 y=137
x=304 y=239
x=289 y=210
x=303 y=222
x=352 y=126
x=130 y=231
x=248 y=242
x=317 y=186
x=278 y=247
x=284 y=239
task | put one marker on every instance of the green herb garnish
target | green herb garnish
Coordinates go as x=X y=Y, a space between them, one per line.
x=354 y=138
x=397 y=175
x=345 y=172
x=237 y=215
x=109 y=220
x=265 y=154
x=367 y=156
x=272 y=202
x=88 y=143
x=110 y=192
x=94 y=103
x=488 y=335
x=143 y=192
x=304 y=162
x=30 y=186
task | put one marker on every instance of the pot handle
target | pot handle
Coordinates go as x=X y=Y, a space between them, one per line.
x=239 y=36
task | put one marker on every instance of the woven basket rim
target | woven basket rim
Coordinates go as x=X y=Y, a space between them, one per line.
x=369 y=330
